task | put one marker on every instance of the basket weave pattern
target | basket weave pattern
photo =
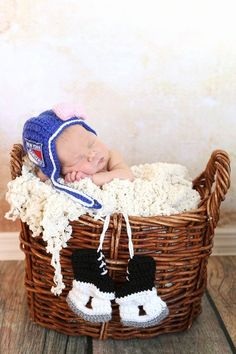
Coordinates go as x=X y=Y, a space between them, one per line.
x=180 y=245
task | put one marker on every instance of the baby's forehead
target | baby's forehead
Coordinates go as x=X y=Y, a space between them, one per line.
x=73 y=137
x=75 y=132
x=75 y=129
x=72 y=140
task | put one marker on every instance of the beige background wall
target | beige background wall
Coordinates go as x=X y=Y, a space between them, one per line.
x=156 y=78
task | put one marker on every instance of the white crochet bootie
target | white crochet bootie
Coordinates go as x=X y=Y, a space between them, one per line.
x=138 y=294
x=140 y=306
x=91 y=281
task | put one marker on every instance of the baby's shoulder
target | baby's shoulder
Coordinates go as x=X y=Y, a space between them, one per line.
x=115 y=154
x=115 y=159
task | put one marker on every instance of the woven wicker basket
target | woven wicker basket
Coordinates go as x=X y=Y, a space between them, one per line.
x=180 y=245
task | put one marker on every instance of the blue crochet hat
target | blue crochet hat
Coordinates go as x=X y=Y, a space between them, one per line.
x=39 y=141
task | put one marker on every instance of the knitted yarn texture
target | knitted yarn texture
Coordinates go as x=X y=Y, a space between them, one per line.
x=158 y=189
x=39 y=141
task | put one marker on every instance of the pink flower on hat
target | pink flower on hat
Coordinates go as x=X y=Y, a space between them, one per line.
x=67 y=110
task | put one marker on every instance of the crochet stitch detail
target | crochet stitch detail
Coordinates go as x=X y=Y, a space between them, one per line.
x=158 y=189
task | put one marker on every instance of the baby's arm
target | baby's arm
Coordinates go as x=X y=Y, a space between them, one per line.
x=117 y=168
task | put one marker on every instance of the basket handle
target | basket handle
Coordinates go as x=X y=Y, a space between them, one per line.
x=218 y=171
x=16 y=155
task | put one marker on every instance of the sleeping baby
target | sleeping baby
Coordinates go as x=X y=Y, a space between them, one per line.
x=60 y=143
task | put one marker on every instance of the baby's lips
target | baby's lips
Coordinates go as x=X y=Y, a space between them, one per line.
x=67 y=110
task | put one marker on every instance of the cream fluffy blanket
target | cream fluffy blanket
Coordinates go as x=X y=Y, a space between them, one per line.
x=158 y=189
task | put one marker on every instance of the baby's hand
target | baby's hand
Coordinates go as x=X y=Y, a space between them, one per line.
x=75 y=176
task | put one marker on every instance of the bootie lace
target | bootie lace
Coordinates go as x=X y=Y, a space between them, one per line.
x=139 y=290
x=101 y=257
x=92 y=284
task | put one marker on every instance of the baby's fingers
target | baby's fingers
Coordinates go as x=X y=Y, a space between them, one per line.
x=79 y=175
x=67 y=178
x=70 y=177
x=75 y=176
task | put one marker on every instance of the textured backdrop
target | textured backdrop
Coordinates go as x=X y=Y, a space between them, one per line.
x=156 y=78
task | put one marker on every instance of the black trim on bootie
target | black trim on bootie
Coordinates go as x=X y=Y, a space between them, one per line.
x=139 y=292
x=88 y=266
x=141 y=275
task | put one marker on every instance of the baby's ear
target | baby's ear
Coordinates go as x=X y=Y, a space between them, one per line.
x=67 y=110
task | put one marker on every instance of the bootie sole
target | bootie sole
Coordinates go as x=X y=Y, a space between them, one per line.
x=155 y=308
x=150 y=323
x=79 y=296
x=82 y=311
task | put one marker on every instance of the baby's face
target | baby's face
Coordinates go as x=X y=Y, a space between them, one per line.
x=81 y=150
